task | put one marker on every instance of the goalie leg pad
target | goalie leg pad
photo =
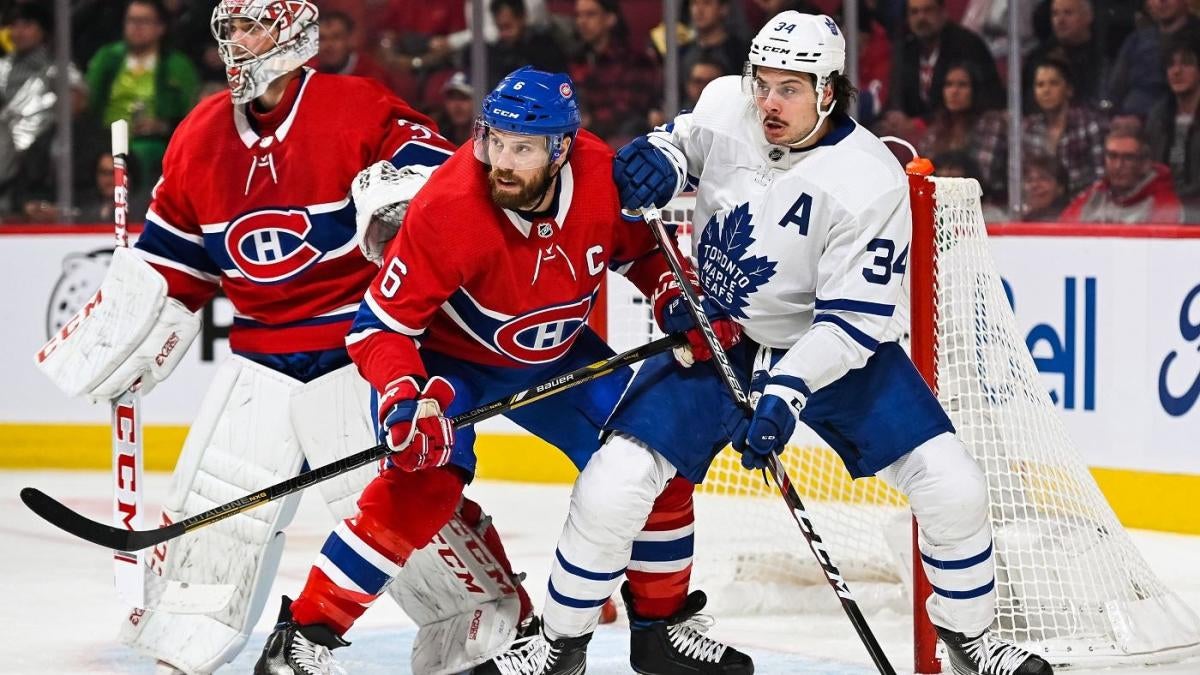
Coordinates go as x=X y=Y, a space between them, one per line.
x=948 y=494
x=462 y=592
x=610 y=504
x=332 y=418
x=241 y=440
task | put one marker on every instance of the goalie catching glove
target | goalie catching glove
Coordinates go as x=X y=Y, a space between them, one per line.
x=381 y=194
x=671 y=313
x=413 y=425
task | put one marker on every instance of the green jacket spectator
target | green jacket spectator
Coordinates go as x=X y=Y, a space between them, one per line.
x=141 y=80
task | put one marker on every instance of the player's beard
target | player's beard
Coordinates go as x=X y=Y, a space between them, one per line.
x=526 y=197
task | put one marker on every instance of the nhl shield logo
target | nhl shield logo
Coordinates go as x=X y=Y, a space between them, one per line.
x=545 y=230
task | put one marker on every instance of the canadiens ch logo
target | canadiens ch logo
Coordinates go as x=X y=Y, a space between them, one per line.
x=269 y=245
x=539 y=336
x=727 y=273
x=543 y=335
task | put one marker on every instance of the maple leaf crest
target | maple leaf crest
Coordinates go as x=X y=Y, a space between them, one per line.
x=727 y=273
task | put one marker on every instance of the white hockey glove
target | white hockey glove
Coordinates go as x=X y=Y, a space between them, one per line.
x=381 y=193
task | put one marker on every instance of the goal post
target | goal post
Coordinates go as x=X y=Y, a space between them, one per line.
x=1071 y=585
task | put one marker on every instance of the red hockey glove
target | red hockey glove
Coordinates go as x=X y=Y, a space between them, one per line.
x=412 y=423
x=671 y=312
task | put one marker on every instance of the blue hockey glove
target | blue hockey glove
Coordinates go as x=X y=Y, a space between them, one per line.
x=774 y=420
x=644 y=175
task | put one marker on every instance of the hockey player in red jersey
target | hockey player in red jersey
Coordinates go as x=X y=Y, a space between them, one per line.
x=263 y=188
x=486 y=289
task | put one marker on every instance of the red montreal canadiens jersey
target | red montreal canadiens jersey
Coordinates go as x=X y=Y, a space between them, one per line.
x=471 y=280
x=268 y=216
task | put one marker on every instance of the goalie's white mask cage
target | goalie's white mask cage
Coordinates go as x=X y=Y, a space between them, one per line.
x=261 y=40
x=1072 y=586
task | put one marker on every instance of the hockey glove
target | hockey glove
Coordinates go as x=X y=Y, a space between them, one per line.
x=412 y=423
x=644 y=175
x=775 y=415
x=671 y=312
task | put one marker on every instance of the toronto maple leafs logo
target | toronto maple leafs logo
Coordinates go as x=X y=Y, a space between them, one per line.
x=728 y=275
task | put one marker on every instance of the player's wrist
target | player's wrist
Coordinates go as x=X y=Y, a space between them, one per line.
x=789 y=389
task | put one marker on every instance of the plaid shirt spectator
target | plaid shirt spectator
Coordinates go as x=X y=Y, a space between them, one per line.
x=617 y=88
x=985 y=141
x=617 y=84
x=1080 y=147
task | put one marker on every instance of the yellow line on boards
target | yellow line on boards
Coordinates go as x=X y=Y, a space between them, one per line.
x=1141 y=499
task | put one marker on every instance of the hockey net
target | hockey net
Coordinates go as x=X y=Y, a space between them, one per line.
x=1071 y=584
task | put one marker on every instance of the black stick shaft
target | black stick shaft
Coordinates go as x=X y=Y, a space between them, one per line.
x=654 y=219
x=108 y=536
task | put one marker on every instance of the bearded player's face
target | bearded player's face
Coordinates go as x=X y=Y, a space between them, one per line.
x=520 y=170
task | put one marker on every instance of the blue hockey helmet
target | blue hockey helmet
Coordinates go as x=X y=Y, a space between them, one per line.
x=530 y=102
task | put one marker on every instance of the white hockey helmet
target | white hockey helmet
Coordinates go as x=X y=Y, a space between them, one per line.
x=806 y=43
x=287 y=39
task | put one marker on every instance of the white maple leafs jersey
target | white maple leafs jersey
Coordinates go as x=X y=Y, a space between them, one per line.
x=806 y=249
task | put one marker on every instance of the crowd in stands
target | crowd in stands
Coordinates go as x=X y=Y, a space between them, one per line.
x=1108 y=116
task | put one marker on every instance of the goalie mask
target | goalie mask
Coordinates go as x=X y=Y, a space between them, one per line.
x=805 y=43
x=534 y=112
x=262 y=40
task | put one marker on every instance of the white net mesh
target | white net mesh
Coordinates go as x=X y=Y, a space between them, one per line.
x=1070 y=582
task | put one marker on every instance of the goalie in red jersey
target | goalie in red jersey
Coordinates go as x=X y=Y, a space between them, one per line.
x=487 y=289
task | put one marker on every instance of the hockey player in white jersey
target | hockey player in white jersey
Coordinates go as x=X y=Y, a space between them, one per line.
x=802 y=232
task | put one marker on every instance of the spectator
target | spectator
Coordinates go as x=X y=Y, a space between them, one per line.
x=1072 y=134
x=1073 y=42
x=703 y=71
x=924 y=55
x=759 y=11
x=140 y=80
x=712 y=41
x=338 y=52
x=1171 y=129
x=517 y=44
x=1138 y=78
x=1044 y=181
x=959 y=123
x=617 y=85
x=456 y=119
x=95 y=204
x=28 y=98
x=874 y=65
x=1134 y=189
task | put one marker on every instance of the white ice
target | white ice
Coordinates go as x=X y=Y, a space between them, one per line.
x=60 y=613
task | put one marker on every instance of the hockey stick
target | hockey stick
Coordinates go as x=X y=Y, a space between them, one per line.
x=721 y=360
x=129 y=567
x=72 y=522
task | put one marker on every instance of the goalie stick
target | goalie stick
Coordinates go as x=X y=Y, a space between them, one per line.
x=62 y=517
x=653 y=218
x=129 y=567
